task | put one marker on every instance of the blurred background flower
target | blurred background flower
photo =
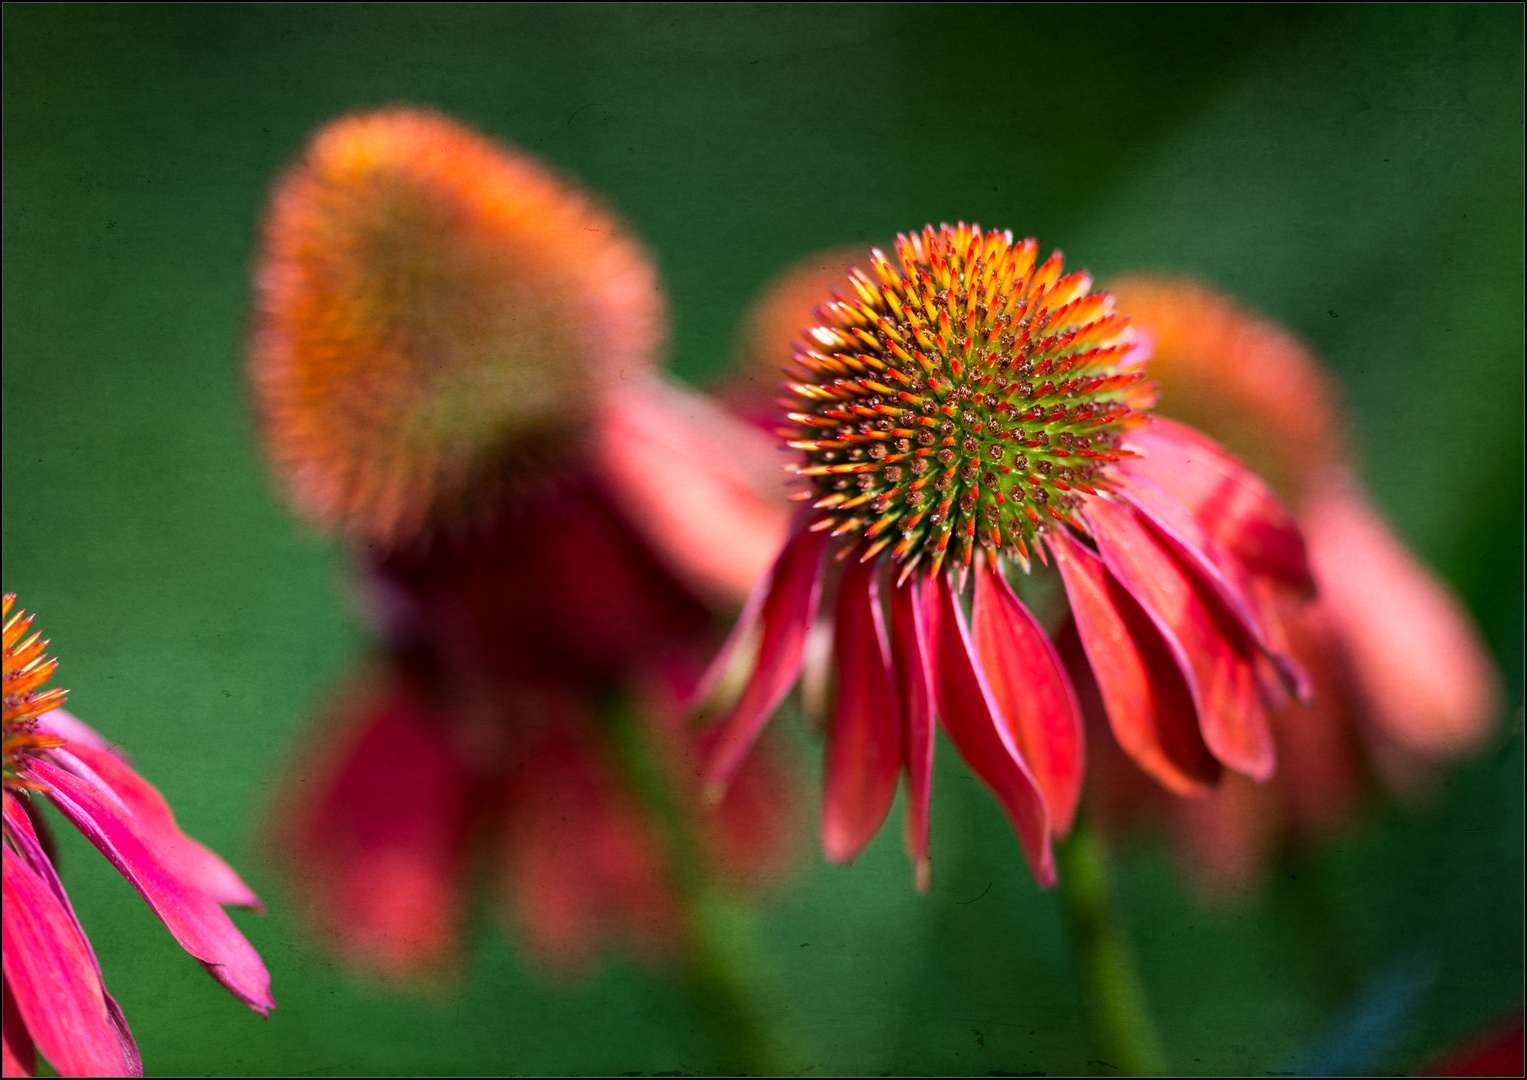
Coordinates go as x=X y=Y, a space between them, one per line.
x=1352 y=173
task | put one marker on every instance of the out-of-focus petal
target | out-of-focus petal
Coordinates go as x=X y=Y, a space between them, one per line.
x=1210 y=649
x=196 y=921
x=1226 y=839
x=865 y=740
x=53 y=980
x=1149 y=706
x=1233 y=504
x=17 y=1054
x=972 y=718
x=794 y=587
x=381 y=869
x=193 y=863
x=914 y=684
x=704 y=487
x=1032 y=692
x=1416 y=656
x=577 y=863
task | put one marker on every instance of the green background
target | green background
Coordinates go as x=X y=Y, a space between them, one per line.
x=1353 y=172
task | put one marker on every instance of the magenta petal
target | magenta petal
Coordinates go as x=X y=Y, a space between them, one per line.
x=17 y=1053
x=193 y=863
x=971 y=716
x=1033 y=693
x=1222 y=572
x=1211 y=651
x=195 y=919
x=794 y=587
x=54 y=983
x=1149 y=706
x=865 y=741
x=1234 y=505
x=914 y=684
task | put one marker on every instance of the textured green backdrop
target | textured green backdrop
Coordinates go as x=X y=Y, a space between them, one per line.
x=1353 y=172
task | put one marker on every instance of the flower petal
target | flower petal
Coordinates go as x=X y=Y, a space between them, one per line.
x=192 y=862
x=53 y=981
x=1210 y=649
x=17 y=1053
x=702 y=485
x=1149 y=706
x=972 y=718
x=1032 y=692
x=865 y=740
x=1222 y=572
x=195 y=919
x=1231 y=501
x=788 y=609
x=1414 y=651
x=914 y=684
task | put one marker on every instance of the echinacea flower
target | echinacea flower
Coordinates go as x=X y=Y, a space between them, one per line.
x=55 y=998
x=962 y=413
x=1402 y=680
x=453 y=365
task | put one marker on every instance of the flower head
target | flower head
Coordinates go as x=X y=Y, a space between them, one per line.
x=1402 y=680
x=969 y=408
x=55 y=997
x=454 y=360
x=435 y=315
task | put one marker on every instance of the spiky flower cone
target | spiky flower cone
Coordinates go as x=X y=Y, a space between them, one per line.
x=435 y=314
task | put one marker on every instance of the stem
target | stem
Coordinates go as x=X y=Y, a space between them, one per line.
x=1111 y=982
x=723 y=959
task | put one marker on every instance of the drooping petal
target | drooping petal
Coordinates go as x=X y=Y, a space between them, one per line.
x=865 y=747
x=1149 y=706
x=380 y=868
x=1210 y=649
x=196 y=920
x=17 y=1053
x=703 y=486
x=193 y=863
x=1222 y=572
x=1418 y=660
x=1032 y=692
x=972 y=718
x=914 y=685
x=1234 y=505
x=788 y=609
x=53 y=980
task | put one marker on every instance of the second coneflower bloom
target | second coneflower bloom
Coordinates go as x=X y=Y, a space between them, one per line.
x=966 y=413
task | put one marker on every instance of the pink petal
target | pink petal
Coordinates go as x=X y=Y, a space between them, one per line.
x=914 y=684
x=1222 y=572
x=972 y=718
x=864 y=742
x=193 y=863
x=54 y=983
x=1210 y=649
x=704 y=487
x=196 y=920
x=17 y=1053
x=788 y=610
x=1032 y=692
x=1149 y=706
x=1233 y=504
x=1413 y=649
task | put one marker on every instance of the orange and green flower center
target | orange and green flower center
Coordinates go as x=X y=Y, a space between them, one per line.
x=962 y=395
x=26 y=669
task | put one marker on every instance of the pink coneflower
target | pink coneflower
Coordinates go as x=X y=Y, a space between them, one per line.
x=453 y=366
x=55 y=999
x=962 y=414
x=1402 y=680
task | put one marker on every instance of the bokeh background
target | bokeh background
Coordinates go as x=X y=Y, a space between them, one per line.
x=1354 y=172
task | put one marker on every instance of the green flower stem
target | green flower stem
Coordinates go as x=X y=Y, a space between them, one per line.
x=724 y=962
x=1127 y=1040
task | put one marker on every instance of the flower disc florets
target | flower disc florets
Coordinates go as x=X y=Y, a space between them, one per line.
x=962 y=395
x=25 y=670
